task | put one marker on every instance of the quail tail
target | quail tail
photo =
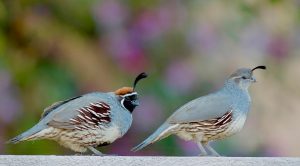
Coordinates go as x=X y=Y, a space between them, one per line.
x=162 y=132
x=24 y=136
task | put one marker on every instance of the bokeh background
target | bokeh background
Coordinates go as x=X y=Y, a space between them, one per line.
x=52 y=50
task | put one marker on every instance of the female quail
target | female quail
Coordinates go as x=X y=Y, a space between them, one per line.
x=211 y=117
x=86 y=121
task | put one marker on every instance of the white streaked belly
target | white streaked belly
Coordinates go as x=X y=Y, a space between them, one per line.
x=236 y=125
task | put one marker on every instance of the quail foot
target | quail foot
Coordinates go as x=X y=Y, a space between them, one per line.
x=87 y=121
x=212 y=117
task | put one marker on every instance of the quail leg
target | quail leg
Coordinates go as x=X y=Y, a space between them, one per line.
x=98 y=153
x=79 y=154
x=201 y=148
x=95 y=151
x=212 y=151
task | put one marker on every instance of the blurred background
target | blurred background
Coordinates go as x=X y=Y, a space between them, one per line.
x=52 y=50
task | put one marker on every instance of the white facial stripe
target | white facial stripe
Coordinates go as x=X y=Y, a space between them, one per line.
x=130 y=94
x=122 y=103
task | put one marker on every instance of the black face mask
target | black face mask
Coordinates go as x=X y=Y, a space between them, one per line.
x=130 y=102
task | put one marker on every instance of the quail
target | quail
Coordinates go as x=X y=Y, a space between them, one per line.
x=87 y=121
x=211 y=117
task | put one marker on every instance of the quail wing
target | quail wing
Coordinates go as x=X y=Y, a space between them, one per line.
x=80 y=113
x=56 y=105
x=203 y=108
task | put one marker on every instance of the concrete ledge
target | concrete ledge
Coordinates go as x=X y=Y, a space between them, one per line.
x=12 y=160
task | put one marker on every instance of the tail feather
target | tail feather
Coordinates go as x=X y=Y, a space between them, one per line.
x=160 y=133
x=24 y=136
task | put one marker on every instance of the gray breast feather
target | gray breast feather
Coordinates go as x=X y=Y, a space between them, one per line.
x=203 y=108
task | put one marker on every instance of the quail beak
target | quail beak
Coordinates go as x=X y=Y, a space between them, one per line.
x=135 y=102
x=253 y=79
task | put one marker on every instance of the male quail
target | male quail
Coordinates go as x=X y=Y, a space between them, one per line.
x=87 y=121
x=211 y=117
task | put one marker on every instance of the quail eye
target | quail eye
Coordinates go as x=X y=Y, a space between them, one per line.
x=244 y=77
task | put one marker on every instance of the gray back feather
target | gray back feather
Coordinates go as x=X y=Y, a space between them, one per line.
x=206 y=107
x=60 y=115
x=56 y=105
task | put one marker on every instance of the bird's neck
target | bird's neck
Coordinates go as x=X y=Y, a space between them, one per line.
x=232 y=87
x=239 y=95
